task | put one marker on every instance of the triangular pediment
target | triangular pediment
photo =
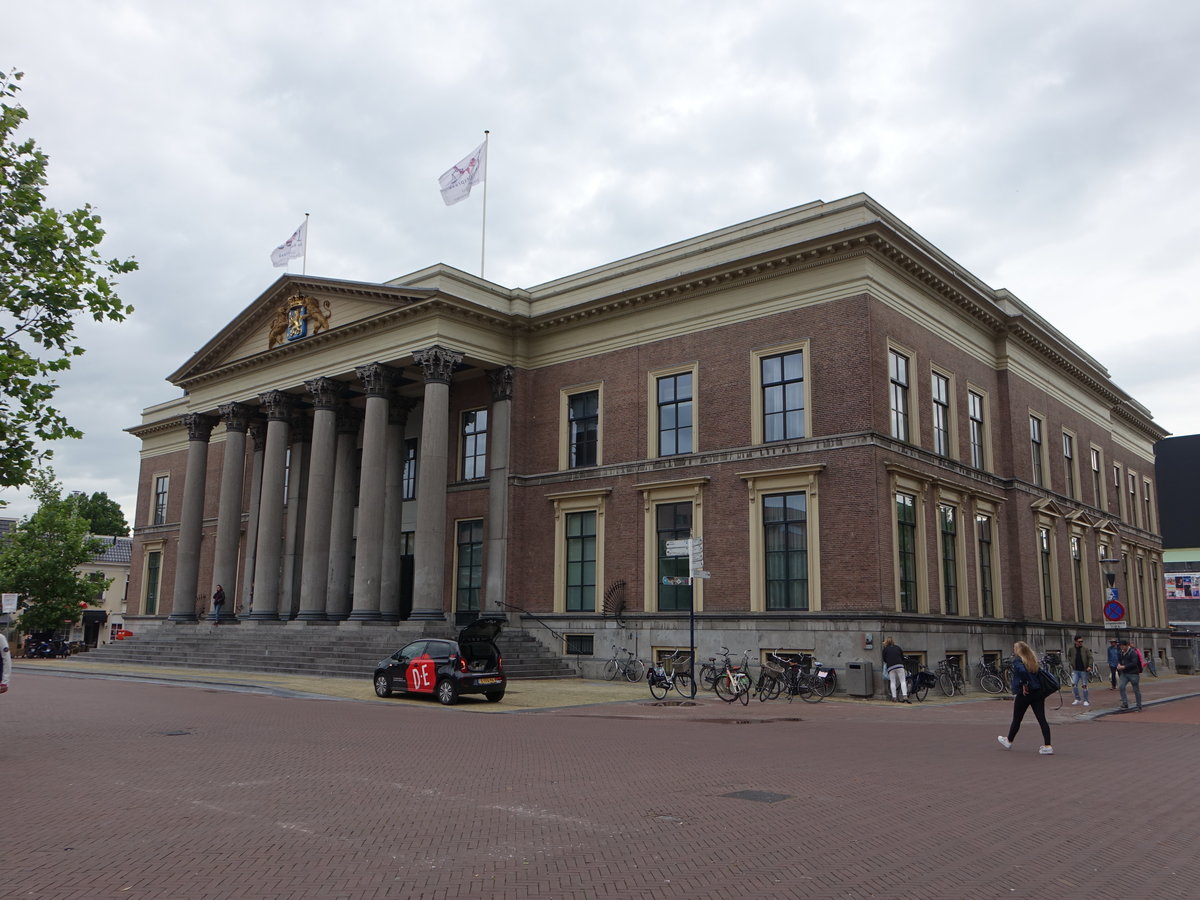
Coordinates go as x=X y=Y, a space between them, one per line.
x=292 y=310
x=1049 y=507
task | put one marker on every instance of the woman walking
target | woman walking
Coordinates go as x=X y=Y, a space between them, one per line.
x=893 y=669
x=1028 y=691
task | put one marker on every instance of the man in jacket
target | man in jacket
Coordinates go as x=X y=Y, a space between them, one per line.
x=1113 y=652
x=1129 y=664
x=5 y=663
x=1079 y=658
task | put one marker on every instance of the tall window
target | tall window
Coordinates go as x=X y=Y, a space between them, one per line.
x=1097 y=479
x=673 y=522
x=1069 y=462
x=583 y=423
x=474 y=444
x=906 y=530
x=785 y=540
x=581 y=561
x=1035 y=446
x=983 y=536
x=898 y=382
x=948 y=519
x=153 y=571
x=1148 y=522
x=975 y=417
x=783 y=396
x=1133 y=504
x=1047 y=583
x=161 y=484
x=940 y=389
x=675 y=414
x=409 y=478
x=1077 y=572
x=468 y=565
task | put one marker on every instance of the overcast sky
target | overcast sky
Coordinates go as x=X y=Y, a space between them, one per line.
x=1049 y=148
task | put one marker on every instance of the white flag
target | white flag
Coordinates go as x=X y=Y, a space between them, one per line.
x=292 y=248
x=457 y=181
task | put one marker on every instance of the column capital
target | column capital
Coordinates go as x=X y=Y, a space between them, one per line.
x=258 y=432
x=278 y=404
x=199 y=426
x=325 y=392
x=437 y=363
x=399 y=410
x=236 y=416
x=377 y=379
x=348 y=420
x=299 y=427
x=502 y=383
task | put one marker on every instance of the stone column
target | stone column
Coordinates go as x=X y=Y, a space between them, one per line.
x=270 y=516
x=341 y=528
x=258 y=433
x=438 y=364
x=297 y=493
x=314 y=573
x=495 y=554
x=187 y=559
x=377 y=380
x=229 y=514
x=393 y=512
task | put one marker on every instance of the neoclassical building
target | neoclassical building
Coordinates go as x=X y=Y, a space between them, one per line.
x=867 y=438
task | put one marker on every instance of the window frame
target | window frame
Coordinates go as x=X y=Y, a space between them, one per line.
x=565 y=444
x=979 y=445
x=655 y=494
x=757 y=406
x=470 y=442
x=986 y=510
x=1096 y=461
x=566 y=504
x=1037 y=448
x=162 y=494
x=943 y=410
x=152 y=578
x=1070 y=464
x=901 y=393
x=950 y=558
x=408 y=472
x=473 y=567
x=906 y=481
x=792 y=479
x=1047 y=570
x=654 y=429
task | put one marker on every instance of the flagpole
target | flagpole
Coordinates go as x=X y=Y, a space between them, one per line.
x=304 y=263
x=483 y=228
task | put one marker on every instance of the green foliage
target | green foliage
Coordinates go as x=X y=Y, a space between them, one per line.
x=50 y=274
x=104 y=514
x=39 y=557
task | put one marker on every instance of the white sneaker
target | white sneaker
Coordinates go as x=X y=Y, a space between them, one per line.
x=1075 y=703
x=1004 y=742
x=1046 y=751
x=1085 y=703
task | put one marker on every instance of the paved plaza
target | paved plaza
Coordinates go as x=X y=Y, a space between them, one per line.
x=166 y=784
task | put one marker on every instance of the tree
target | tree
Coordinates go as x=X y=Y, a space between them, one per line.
x=104 y=514
x=50 y=273
x=39 y=558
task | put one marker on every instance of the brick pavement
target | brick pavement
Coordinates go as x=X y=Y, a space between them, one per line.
x=143 y=790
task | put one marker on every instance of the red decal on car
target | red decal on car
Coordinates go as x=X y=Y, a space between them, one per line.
x=422 y=674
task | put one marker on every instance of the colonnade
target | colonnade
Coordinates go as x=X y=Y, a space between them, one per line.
x=315 y=544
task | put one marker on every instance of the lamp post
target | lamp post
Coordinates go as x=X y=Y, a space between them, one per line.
x=1114 y=611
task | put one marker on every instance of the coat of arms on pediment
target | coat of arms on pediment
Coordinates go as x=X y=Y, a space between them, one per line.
x=298 y=317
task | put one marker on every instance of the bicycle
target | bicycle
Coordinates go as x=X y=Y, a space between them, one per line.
x=949 y=677
x=919 y=682
x=799 y=679
x=667 y=674
x=826 y=682
x=631 y=667
x=1094 y=673
x=732 y=683
x=707 y=676
x=989 y=678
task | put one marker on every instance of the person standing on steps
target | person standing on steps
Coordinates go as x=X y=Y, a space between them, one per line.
x=893 y=669
x=1080 y=658
x=218 y=602
x=1028 y=691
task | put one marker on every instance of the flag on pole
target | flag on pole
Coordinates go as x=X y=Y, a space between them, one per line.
x=292 y=248
x=457 y=181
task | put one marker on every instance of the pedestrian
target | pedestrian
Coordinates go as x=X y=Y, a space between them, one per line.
x=1081 y=665
x=218 y=602
x=5 y=663
x=1028 y=691
x=1113 y=652
x=893 y=669
x=1129 y=664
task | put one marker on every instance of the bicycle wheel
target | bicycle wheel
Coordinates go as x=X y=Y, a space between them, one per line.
x=724 y=688
x=946 y=683
x=611 y=669
x=683 y=684
x=635 y=671
x=771 y=689
x=708 y=677
x=919 y=692
x=992 y=683
x=744 y=688
x=827 y=685
x=659 y=686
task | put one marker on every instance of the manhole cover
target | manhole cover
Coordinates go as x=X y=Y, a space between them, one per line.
x=173 y=733
x=673 y=703
x=759 y=796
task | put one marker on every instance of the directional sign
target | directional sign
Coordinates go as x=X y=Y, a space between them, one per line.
x=675 y=580
x=678 y=548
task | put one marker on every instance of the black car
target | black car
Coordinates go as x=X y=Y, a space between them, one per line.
x=445 y=668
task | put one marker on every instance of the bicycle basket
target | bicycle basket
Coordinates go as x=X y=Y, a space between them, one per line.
x=680 y=667
x=773 y=670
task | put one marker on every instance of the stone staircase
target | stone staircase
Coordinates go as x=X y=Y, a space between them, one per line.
x=311 y=651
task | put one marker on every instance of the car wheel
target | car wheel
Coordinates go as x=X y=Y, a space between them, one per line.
x=447 y=692
x=494 y=696
x=382 y=687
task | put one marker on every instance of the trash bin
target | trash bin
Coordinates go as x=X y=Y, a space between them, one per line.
x=860 y=678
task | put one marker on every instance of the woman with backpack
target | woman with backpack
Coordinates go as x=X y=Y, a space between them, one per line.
x=1031 y=686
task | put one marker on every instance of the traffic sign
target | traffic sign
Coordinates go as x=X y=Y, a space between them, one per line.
x=679 y=548
x=675 y=580
x=1114 y=610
